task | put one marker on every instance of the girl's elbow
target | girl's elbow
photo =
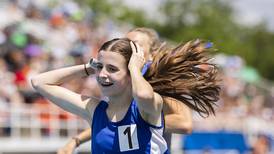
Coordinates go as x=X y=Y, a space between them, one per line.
x=186 y=128
x=189 y=129
x=35 y=82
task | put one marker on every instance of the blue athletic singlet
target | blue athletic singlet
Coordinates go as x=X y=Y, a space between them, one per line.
x=131 y=135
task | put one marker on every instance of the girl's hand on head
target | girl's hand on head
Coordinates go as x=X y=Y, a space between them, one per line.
x=91 y=66
x=137 y=59
x=93 y=63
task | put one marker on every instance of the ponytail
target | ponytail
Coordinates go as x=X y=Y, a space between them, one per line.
x=185 y=73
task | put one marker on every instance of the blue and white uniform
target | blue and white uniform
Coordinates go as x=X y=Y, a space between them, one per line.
x=131 y=135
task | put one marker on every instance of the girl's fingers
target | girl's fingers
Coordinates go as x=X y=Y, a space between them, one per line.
x=133 y=47
x=140 y=50
x=136 y=49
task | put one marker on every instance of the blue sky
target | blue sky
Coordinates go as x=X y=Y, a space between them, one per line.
x=254 y=11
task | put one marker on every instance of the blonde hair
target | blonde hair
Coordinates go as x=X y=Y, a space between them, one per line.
x=152 y=35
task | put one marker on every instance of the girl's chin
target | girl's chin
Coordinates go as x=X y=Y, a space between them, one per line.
x=111 y=91
x=106 y=88
x=107 y=91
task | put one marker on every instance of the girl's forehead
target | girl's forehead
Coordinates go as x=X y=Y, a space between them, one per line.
x=111 y=57
x=138 y=36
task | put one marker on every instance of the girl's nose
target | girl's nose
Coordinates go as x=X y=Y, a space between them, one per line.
x=103 y=73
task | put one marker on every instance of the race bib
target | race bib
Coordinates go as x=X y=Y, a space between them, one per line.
x=128 y=137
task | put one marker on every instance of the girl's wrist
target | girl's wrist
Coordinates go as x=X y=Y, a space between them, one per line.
x=90 y=67
x=86 y=69
x=134 y=69
x=77 y=141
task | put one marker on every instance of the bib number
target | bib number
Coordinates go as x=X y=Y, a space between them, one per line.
x=128 y=137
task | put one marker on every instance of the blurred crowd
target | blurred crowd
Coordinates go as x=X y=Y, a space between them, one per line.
x=36 y=36
x=246 y=104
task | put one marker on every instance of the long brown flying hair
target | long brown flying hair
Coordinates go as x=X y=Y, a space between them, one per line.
x=183 y=73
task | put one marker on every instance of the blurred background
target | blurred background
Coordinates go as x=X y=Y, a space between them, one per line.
x=40 y=35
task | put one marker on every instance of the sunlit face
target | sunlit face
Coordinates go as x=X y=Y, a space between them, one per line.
x=142 y=39
x=112 y=73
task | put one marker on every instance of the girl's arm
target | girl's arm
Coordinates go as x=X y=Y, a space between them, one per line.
x=149 y=103
x=49 y=83
x=75 y=142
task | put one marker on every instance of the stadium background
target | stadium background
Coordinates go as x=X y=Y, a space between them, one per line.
x=41 y=35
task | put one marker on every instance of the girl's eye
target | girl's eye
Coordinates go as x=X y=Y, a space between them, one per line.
x=111 y=69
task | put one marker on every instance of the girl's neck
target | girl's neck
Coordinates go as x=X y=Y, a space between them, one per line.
x=120 y=101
